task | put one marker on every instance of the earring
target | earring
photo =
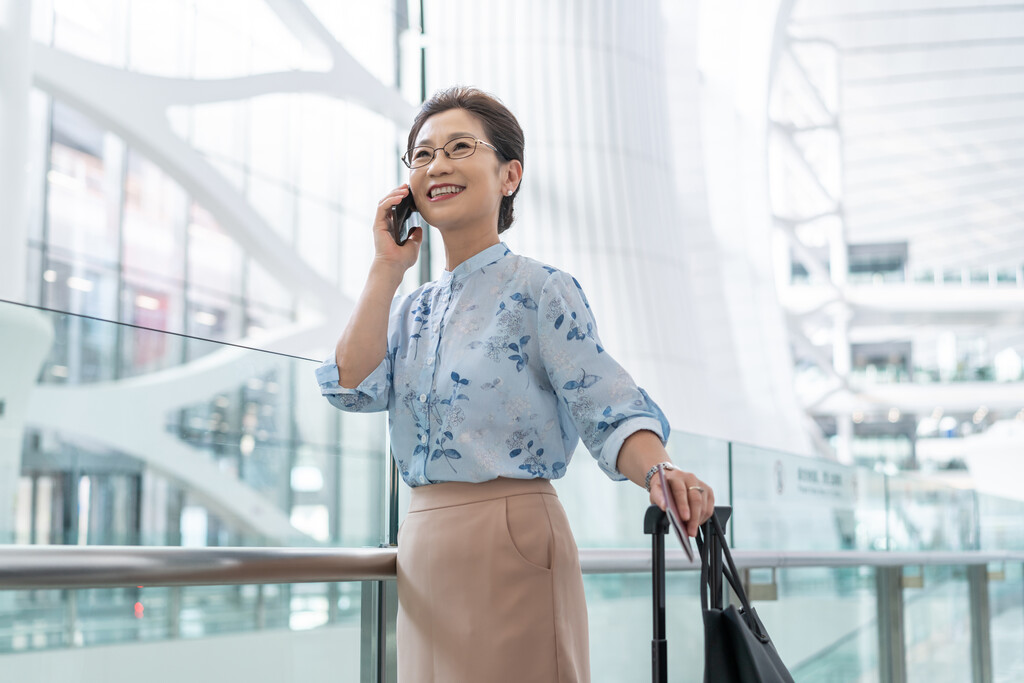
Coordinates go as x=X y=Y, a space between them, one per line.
x=509 y=193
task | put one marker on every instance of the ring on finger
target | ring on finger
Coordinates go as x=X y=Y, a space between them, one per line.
x=696 y=488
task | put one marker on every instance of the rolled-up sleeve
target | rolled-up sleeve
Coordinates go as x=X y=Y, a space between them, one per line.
x=369 y=397
x=594 y=392
x=372 y=394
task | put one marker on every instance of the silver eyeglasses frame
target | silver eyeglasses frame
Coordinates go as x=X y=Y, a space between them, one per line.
x=408 y=160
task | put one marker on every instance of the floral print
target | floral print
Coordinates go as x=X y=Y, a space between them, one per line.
x=496 y=370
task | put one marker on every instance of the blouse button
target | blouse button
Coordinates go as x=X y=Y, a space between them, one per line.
x=430 y=361
x=423 y=438
x=437 y=327
x=423 y=398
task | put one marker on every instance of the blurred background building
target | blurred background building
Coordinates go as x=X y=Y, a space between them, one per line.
x=799 y=223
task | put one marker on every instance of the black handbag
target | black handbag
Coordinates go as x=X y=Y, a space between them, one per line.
x=737 y=648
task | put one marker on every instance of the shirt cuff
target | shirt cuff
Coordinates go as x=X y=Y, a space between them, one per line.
x=610 y=451
x=368 y=392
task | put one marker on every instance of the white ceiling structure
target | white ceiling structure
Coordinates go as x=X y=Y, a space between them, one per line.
x=931 y=116
x=900 y=123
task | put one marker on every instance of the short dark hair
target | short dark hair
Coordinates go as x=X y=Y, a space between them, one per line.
x=499 y=124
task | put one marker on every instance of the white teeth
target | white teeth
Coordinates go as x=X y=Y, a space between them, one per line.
x=445 y=189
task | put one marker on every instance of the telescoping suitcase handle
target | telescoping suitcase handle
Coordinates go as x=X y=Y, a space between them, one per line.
x=656 y=524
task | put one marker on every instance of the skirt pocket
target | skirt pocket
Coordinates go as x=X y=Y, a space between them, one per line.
x=529 y=529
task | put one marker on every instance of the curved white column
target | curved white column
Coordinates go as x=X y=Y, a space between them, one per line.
x=650 y=187
x=25 y=338
x=15 y=83
x=23 y=334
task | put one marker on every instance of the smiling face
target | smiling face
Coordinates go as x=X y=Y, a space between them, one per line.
x=457 y=195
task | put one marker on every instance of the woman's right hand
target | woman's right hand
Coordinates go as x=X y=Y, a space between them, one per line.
x=386 y=250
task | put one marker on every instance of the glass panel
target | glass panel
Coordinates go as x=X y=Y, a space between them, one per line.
x=937 y=627
x=620 y=611
x=155 y=212
x=154 y=305
x=785 y=502
x=83 y=349
x=83 y=186
x=215 y=261
x=839 y=644
x=925 y=515
x=1002 y=523
x=1006 y=276
x=825 y=623
x=1006 y=606
x=236 y=447
x=979 y=275
x=270 y=623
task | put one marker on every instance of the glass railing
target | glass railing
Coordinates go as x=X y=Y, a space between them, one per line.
x=897 y=374
x=237 y=448
x=977 y=278
x=223 y=445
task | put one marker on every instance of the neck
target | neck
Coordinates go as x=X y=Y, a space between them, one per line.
x=459 y=248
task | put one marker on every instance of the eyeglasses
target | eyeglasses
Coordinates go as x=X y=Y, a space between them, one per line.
x=457 y=148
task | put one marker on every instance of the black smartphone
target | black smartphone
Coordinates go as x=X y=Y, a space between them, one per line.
x=400 y=217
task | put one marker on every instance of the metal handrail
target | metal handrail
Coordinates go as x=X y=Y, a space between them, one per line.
x=50 y=567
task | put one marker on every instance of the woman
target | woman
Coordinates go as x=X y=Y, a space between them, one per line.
x=491 y=374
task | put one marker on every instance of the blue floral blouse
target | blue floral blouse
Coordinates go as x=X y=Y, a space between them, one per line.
x=496 y=370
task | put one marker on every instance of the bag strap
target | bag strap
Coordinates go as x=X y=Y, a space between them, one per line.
x=715 y=536
x=702 y=548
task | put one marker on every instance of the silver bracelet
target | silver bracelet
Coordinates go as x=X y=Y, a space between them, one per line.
x=650 y=473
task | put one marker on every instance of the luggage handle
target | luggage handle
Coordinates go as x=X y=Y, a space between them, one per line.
x=656 y=524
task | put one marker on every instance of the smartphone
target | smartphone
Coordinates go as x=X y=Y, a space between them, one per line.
x=400 y=214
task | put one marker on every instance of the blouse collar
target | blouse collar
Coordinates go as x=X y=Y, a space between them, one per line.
x=486 y=257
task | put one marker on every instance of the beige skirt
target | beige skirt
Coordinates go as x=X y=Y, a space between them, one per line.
x=489 y=586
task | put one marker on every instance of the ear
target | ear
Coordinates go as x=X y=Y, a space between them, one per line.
x=512 y=176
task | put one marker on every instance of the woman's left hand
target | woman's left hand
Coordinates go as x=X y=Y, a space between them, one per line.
x=695 y=500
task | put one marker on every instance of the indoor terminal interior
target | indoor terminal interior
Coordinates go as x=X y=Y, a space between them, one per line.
x=799 y=223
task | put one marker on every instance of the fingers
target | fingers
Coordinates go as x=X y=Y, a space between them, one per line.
x=694 y=499
x=657 y=495
x=679 y=493
x=392 y=198
x=706 y=505
x=398 y=192
x=698 y=518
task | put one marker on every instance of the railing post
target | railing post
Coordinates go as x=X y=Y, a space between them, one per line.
x=378 y=651
x=174 y=612
x=261 y=608
x=389 y=651
x=369 y=634
x=892 y=658
x=981 y=642
x=71 y=596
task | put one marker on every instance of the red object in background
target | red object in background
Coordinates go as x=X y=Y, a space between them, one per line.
x=138 y=610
